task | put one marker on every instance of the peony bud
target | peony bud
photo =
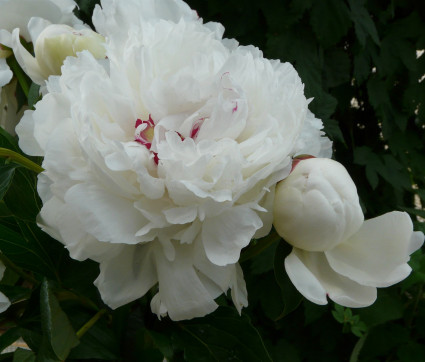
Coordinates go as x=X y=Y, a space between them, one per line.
x=57 y=41
x=317 y=207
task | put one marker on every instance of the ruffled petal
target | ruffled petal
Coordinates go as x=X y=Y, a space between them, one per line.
x=181 y=291
x=225 y=235
x=314 y=278
x=378 y=253
x=128 y=276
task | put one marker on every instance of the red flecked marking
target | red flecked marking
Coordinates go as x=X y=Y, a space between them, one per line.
x=196 y=127
x=235 y=108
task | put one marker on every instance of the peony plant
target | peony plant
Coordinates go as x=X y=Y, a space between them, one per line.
x=161 y=166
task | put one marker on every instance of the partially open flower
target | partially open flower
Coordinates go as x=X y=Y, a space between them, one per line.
x=58 y=41
x=53 y=45
x=335 y=253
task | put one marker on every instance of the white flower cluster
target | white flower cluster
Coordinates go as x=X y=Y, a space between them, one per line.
x=163 y=143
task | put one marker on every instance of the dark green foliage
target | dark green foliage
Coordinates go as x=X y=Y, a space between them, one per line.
x=358 y=61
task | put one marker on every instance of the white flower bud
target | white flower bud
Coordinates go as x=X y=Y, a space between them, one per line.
x=59 y=41
x=317 y=207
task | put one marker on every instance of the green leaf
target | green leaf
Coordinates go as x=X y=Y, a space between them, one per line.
x=363 y=23
x=22 y=198
x=25 y=253
x=330 y=20
x=23 y=355
x=15 y=293
x=291 y=297
x=337 y=67
x=56 y=326
x=333 y=131
x=33 y=95
x=220 y=336
x=99 y=342
x=263 y=262
x=386 y=308
x=362 y=67
x=7 y=171
x=9 y=337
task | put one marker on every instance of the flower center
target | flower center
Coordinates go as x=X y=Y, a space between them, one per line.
x=145 y=131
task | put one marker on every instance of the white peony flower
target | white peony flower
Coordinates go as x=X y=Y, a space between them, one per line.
x=4 y=301
x=335 y=253
x=160 y=161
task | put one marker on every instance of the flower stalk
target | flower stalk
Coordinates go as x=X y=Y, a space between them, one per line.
x=21 y=160
x=90 y=323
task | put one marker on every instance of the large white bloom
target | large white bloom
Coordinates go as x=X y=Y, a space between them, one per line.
x=160 y=161
x=335 y=253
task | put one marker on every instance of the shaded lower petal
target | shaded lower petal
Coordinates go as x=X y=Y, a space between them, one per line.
x=225 y=235
x=314 y=278
x=181 y=291
x=128 y=276
x=378 y=253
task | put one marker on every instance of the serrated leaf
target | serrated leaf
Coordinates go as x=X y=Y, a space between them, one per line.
x=330 y=20
x=55 y=323
x=220 y=336
x=363 y=23
x=291 y=297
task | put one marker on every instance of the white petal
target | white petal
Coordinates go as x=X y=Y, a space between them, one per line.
x=225 y=235
x=128 y=276
x=180 y=288
x=5 y=73
x=313 y=277
x=4 y=303
x=117 y=224
x=303 y=279
x=377 y=254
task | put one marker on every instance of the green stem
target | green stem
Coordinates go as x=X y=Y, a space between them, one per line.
x=259 y=247
x=90 y=323
x=357 y=348
x=9 y=264
x=23 y=161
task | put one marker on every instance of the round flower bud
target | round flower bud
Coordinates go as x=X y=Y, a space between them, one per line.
x=58 y=41
x=317 y=207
